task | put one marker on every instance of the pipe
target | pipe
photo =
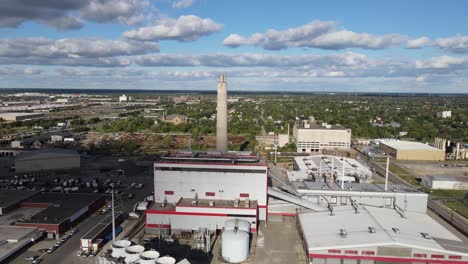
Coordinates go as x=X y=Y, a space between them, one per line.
x=386 y=173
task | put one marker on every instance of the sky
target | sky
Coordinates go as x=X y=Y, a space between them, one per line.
x=331 y=46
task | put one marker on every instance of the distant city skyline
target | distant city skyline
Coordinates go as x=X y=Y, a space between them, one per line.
x=333 y=46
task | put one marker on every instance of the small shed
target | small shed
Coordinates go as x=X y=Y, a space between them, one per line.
x=445 y=182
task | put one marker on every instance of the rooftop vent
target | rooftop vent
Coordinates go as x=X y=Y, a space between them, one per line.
x=372 y=229
x=194 y=202
x=343 y=233
x=426 y=235
x=394 y=189
x=396 y=230
x=211 y=203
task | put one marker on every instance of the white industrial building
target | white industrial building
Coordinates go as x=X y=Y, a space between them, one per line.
x=444 y=114
x=323 y=167
x=203 y=190
x=445 y=182
x=378 y=235
x=311 y=137
x=14 y=116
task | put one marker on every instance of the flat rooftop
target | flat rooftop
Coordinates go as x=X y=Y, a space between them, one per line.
x=217 y=203
x=18 y=114
x=11 y=197
x=390 y=229
x=230 y=158
x=305 y=186
x=47 y=151
x=313 y=125
x=409 y=145
x=97 y=229
x=61 y=206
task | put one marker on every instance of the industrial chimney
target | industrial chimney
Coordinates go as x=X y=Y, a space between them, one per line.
x=221 y=115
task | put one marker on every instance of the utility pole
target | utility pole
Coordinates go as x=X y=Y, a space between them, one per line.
x=343 y=174
x=113 y=217
x=386 y=173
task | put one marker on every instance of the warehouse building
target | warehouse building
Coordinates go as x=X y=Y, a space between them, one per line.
x=20 y=116
x=11 y=199
x=311 y=137
x=203 y=190
x=434 y=182
x=54 y=161
x=408 y=150
x=61 y=211
x=15 y=238
x=378 y=235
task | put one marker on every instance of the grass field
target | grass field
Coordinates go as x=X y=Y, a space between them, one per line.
x=459 y=207
x=449 y=193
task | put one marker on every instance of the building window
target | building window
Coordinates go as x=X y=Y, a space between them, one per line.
x=169 y=192
x=210 y=194
x=244 y=195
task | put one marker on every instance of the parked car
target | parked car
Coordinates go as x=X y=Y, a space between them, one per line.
x=31 y=258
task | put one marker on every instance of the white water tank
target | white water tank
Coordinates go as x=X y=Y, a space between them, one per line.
x=166 y=260
x=118 y=248
x=242 y=225
x=235 y=246
x=149 y=257
x=132 y=253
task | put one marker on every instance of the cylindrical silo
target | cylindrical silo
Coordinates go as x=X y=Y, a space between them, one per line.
x=132 y=253
x=166 y=260
x=149 y=257
x=242 y=225
x=235 y=246
x=118 y=248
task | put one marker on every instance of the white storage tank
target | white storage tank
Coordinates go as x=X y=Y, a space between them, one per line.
x=235 y=246
x=118 y=248
x=149 y=257
x=242 y=225
x=132 y=253
x=166 y=260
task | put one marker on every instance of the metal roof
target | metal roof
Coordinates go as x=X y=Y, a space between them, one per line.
x=409 y=145
x=390 y=229
x=46 y=152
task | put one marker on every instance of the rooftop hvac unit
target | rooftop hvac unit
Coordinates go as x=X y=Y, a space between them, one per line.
x=343 y=233
x=236 y=203
x=426 y=235
x=372 y=229
x=247 y=203
x=211 y=203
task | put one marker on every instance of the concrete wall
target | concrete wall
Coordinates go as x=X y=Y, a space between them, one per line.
x=317 y=139
x=179 y=222
x=47 y=164
x=447 y=185
x=413 y=154
x=225 y=185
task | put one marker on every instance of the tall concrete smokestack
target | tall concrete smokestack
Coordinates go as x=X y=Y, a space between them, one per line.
x=221 y=115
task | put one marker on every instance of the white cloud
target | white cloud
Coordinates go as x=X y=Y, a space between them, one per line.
x=69 y=14
x=417 y=43
x=185 y=28
x=317 y=34
x=179 y=4
x=458 y=44
x=442 y=62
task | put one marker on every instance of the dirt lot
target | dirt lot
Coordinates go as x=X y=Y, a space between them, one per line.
x=420 y=169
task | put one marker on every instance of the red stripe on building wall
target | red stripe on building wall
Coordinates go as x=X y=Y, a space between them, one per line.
x=353 y=252
x=244 y=195
x=210 y=194
x=282 y=214
x=454 y=257
x=334 y=251
x=419 y=255
x=262 y=206
x=368 y=252
x=158 y=226
x=388 y=259
x=437 y=256
x=183 y=213
x=217 y=207
x=169 y=192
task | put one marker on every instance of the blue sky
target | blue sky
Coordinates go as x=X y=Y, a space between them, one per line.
x=377 y=46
